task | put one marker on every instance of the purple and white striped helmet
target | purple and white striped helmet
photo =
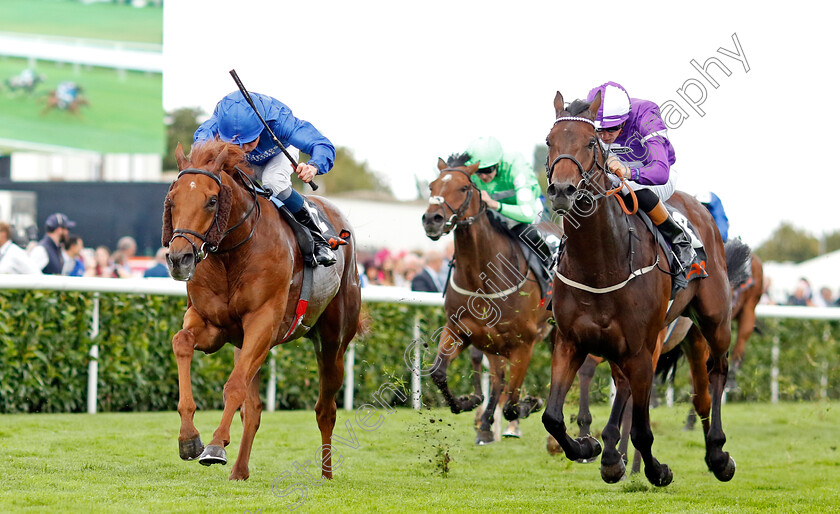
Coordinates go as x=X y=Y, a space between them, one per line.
x=615 y=105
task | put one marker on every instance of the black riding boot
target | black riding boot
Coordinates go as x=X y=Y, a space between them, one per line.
x=309 y=217
x=680 y=244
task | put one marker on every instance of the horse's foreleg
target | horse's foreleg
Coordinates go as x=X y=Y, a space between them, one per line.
x=612 y=461
x=639 y=372
x=565 y=361
x=258 y=329
x=585 y=375
x=746 y=326
x=450 y=346
x=484 y=434
x=195 y=335
x=250 y=412
x=515 y=408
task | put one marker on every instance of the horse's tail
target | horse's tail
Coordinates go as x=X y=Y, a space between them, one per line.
x=363 y=327
x=738 y=262
x=667 y=364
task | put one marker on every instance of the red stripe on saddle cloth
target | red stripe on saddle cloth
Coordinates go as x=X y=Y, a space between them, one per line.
x=299 y=312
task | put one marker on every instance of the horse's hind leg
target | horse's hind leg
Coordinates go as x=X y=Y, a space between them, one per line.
x=195 y=335
x=516 y=408
x=697 y=353
x=485 y=433
x=250 y=413
x=585 y=375
x=565 y=361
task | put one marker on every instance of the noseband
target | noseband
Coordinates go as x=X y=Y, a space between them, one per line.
x=455 y=219
x=586 y=183
x=200 y=253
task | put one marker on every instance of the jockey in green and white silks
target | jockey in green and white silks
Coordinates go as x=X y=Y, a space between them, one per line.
x=506 y=181
x=509 y=186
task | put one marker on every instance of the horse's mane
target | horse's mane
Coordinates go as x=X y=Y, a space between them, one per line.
x=577 y=107
x=205 y=152
x=456 y=160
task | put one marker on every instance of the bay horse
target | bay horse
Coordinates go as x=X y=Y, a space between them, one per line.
x=618 y=316
x=491 y=303
x=73 y=107
x=244 y=274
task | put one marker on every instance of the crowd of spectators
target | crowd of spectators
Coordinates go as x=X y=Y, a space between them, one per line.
x=804 y=297
x=62 y=252
x=406 y=269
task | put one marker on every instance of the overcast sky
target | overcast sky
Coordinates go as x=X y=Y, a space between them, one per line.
x=401 y=83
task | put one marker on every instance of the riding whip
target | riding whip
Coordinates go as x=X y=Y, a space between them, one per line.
x=277 y=142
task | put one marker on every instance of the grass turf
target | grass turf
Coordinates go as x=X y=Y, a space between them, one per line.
x=73 y=19
x=787 y=462
x=125 y=114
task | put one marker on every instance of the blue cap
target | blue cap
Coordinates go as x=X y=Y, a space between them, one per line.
x=58 y=220
x=237 y=121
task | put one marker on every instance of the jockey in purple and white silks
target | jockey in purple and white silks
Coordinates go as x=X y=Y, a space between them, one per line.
x=636 y=124
x=234 y=121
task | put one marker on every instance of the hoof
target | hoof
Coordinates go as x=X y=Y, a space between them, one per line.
x=239 y=475
x=665 y=476
x=466 y=403
x=213 y=455
x=552 y=446
x=483 y=437
x=590 y=447
x=726 y=474
x=513 y=430
x=613 y=473
x=191 y=448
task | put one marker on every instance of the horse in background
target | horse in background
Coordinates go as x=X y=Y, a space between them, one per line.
x=246 y=285
x=601 y=310
x=493 y=301
x=25 y=82
x=68 y=96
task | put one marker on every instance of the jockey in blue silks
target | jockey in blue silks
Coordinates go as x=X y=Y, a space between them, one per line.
x=234 y=121
x=715 y=206
x=637 y=124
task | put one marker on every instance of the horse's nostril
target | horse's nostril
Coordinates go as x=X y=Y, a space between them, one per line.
x=570 y=190
x=437 y=218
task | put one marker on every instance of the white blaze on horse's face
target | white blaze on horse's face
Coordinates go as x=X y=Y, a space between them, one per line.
x=436 y=200
x=446 y=178
x=192 y=185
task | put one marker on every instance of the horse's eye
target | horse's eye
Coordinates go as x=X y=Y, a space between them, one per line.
x=547 y=143
x=212 y=201
x=465 y=189
x=592 y=142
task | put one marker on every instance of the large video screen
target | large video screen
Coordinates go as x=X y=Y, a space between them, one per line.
x=81 y=75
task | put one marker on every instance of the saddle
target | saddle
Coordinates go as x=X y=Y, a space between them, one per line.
x=697 y=269
x=538 y=247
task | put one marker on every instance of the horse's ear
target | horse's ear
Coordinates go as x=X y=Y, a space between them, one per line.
x=472 y=168
x=441 y=164
x=559 y=105
x=594 y=106
x=180 y=158
x=221 y=159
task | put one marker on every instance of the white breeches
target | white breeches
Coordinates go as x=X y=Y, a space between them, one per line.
x=276 y=174
x=663 y=191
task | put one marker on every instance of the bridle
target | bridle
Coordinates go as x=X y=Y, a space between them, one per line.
x=455 y=219
x=586 y=185
x=200 y=253
x=587 y=176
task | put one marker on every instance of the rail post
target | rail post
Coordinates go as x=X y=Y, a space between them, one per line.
x=93 y=363
x=349 y=383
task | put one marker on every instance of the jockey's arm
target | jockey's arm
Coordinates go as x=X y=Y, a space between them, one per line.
x=207 y=130
x=655 y=169
x=527 y=206
x=304 y=136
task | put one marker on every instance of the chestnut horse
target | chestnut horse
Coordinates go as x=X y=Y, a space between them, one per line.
x=491 y=303
x=617 y=315
x=244 y=274
x=74 y=107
